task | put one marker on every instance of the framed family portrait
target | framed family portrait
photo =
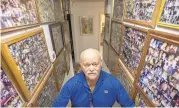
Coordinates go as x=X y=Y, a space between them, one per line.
x=107 y=29
x=158 y=72
x=11 y=96
x=46 y=10
x=27 y=57
x=169 y=14
x=105 y=52
x=86 y=25
x=118 y=8
x=18 y=14
x=116 y=33
x=56 y=37
x=60 y=69
x=133 y=39
x=122 y=75
x=142 y=12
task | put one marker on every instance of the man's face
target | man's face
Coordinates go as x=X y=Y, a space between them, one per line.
x=91 y=66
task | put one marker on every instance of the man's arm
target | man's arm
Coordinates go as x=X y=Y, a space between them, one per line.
x=123 y=98
x=63 y=98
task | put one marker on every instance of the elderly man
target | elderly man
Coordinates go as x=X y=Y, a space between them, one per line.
x=92 y=87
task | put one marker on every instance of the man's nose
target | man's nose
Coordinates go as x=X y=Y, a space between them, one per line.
x=91 y=67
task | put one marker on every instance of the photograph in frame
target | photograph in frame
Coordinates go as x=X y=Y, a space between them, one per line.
x=58 y=9
x=48 y=94
x=159 y=77
x=18 y=13
x=9 y=95
x=113 y=56
x=86 y=25
x=56 y=36
x=46 y=10
x=123 y=78
x=29 y=58
x=60 y=68
x=116 y=32
x=170 y=14
x=118 y=9
x=140 y=10
x=132 y=46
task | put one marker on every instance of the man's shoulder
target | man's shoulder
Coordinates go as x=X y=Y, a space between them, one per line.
x=75 y=78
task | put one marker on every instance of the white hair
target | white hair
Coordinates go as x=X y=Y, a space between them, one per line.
x=88 y=51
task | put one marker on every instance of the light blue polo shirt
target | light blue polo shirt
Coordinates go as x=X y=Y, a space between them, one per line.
x=107 y=90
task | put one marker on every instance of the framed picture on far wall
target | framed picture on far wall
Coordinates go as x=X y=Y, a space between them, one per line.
x=56 y=37
x=27 y=58
x=18 y=14
x=133 y=39
x=86 y=25
x=142 y=12
x=169 y=14
x=158 y=72
x=116 y=33
x=118 y=8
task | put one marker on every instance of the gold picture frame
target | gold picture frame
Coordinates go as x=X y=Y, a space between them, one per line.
x=27 y=49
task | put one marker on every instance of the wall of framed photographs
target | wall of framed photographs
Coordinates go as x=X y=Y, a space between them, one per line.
x=148 y=50
x=32 y=37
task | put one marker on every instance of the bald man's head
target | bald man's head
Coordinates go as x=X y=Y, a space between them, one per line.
x=90 y=53
x=91 y=63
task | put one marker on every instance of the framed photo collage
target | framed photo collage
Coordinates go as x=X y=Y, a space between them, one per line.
x=144 y=59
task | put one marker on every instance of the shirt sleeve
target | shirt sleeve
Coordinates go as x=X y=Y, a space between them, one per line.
x=63 y=98
x=123 y=98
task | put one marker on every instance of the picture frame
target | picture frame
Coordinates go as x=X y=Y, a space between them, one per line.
x=168 y=14
x=157 y=75
x=58 y=9
x=132 y=44
x=45 y=11
x=11 y=92
x=56 y=37
x=118 y=9
x=86 y=25
x=46 y=93
x=12 y=18
x=67 y=57
x=27 y=58
x=107 y=29
x=60 y=69
x=142 y=13
x=139 y=98
x=66 y=32
x=116 y=33
x=113 y=56
x=121 y=73
x=105 y=53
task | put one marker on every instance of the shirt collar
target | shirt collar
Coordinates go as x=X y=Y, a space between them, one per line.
x=82 y=79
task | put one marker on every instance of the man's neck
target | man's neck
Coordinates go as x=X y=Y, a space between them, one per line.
x=92 y=84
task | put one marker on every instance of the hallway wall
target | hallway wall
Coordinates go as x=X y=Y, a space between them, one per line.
x=86 y=8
